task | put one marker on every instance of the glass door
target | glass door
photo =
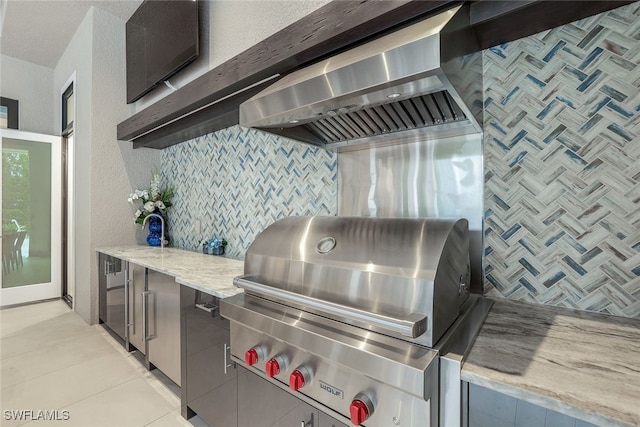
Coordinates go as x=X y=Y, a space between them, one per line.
x=31 y=217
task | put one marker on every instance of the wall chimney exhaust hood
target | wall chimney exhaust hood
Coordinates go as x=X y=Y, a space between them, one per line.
x=418 y=83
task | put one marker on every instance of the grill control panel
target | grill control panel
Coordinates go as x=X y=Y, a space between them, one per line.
x=328 y=384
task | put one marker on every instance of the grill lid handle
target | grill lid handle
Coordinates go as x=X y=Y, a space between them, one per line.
x=412 y=326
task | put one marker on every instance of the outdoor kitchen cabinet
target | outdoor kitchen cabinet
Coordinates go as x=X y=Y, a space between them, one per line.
x=326 y=421
x=142 y=306
x=112 y=291
x=161 y=304
x=261 y=403
x=209 y=378
x=137 y=287
x=121 y=286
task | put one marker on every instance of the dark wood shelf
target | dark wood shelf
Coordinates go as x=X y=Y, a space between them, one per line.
x=498 y=22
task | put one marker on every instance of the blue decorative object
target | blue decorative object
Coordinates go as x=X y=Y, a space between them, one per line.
x=217 y=251
x=214 y=246
x=155 y=232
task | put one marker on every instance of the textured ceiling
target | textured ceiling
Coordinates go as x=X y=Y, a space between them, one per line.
x=39 y=31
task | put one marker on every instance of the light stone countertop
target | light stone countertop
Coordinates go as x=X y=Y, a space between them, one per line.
x=585 y=365
x=582 y=364
x=207 y=273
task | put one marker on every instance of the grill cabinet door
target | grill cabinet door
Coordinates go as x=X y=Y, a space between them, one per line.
x=327 y=421
x=261 y=403
x=208 y=388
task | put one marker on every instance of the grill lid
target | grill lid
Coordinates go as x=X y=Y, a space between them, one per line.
x=398 y=276
x=423 y=81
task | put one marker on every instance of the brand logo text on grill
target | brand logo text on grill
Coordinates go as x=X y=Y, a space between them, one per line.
x=331 y=389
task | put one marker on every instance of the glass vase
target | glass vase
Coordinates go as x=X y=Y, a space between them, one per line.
x=154 y=238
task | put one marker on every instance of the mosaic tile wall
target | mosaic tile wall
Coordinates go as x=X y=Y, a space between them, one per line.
x=238 y=181
x=562 y=165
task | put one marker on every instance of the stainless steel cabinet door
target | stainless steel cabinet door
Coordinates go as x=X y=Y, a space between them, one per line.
x=137 y=287
x=209 y=385
x=163 y=324
x=327 y=421
x=302 y=414
x=261 y=403
x=111 y=290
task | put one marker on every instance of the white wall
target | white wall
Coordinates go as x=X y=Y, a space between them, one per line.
x=230 y=27
x=105 y=170
x=78 y=57
x=31 y=85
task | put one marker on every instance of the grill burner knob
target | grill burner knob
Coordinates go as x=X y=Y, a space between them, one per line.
x=274 y=365
x=361 y=409
x=253 y=356
x=299 y=378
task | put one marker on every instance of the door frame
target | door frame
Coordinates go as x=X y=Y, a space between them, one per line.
x=44 y=291
x=67 y=221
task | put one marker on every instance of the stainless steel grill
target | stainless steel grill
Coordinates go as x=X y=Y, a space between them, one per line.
x=354 y=315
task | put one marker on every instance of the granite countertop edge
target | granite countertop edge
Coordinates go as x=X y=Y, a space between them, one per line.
x=207 y=273
x=574 y=362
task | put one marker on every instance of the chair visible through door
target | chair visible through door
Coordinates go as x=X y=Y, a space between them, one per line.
x=9 y=255
x=18 y=248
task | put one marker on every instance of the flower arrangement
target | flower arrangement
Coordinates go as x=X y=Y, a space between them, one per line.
x=154 y=199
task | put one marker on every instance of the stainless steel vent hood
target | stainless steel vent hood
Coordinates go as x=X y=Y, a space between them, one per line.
x=421 y=82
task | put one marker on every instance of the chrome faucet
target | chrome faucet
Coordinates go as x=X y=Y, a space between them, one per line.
x=161 y=230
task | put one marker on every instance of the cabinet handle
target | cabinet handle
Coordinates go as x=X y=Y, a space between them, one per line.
x=132 y=322
x=126 y=303
x=145 y=302
x=227 y=349
x=309 y=423
x=208 y=307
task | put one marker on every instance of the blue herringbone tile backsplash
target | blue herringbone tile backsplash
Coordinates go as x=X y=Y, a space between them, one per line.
x=561 y=161
x=562 y=165
x=237 y=181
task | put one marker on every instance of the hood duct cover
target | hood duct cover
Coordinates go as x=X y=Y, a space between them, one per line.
x=418 y=83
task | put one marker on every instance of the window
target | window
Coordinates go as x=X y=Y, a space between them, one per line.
x=68 y=111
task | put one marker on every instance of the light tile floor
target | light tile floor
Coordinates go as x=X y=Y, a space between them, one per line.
x=50 y=359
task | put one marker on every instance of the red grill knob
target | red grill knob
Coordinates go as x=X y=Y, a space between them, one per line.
x=254 y=355
x=299 y=378
x=272 y=368
x=359 y=412
x=251 y=357
x=360 y=409
x=296 y=380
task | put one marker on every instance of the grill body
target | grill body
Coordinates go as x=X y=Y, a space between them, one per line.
x=361 y=306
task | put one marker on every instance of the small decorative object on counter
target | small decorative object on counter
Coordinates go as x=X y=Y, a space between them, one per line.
x=214 y=246
x=154 y=200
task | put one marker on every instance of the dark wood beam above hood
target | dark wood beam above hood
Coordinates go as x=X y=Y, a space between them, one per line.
x=498 y=22
x=325 y=31
x=210 y=102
